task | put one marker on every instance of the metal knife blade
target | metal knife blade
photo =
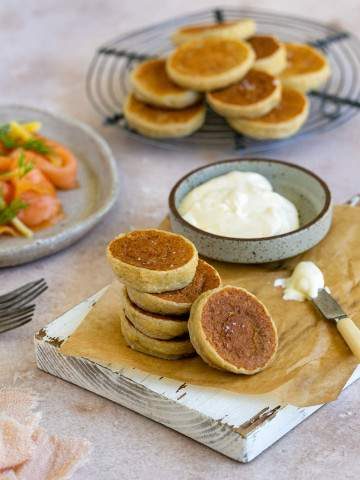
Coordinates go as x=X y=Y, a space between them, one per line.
x=328 y=306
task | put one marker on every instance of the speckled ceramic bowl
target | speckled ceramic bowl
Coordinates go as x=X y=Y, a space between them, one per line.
x=308 y=192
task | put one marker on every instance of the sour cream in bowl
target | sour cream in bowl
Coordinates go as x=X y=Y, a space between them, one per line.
x=251 y=210
x=240 y=205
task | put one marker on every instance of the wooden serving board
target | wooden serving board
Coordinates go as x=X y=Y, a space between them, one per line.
x=239 y=426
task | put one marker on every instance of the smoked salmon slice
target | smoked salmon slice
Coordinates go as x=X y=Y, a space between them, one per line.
x=35 y=190
x=60 y=167
x=32 y=169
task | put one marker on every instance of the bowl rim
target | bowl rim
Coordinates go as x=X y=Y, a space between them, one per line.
x=323 y=184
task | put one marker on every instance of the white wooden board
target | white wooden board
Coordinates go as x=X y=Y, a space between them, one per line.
x=239 y=426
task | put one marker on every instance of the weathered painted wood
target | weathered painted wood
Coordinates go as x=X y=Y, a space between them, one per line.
x=239 y=426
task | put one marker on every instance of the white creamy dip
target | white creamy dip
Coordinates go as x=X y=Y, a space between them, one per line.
x=239 y=205
x=304 y=283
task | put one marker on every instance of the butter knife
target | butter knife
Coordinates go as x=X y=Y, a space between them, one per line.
x=331 y=310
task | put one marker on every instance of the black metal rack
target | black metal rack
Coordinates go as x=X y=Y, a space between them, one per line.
x=338 y=102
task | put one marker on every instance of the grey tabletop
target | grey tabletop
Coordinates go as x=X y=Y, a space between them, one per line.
x=47 y=46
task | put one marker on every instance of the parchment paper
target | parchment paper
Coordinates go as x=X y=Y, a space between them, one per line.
x=313 y=363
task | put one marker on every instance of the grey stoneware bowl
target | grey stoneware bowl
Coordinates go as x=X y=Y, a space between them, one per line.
x=84 y=206
x=306 y=190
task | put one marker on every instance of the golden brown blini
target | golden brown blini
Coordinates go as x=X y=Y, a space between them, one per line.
x=232 y=330
x=270 y=54
x=168 y=349
x=239 y=29
x=156 y=122
x=253 y=96
x=284 y=120
x=210 y=63
x=151 y=84
x=307 y=68
x=152 y=324
x=178 y=302
x=153 y=260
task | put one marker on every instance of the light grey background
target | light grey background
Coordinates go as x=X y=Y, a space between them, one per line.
x=46 y=48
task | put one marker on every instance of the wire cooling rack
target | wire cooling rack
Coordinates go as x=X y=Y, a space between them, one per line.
x=108 y=85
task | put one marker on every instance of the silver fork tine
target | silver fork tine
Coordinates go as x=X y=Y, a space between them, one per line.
x=10 y=314
x=14 y=320
x=30 y=296
x=25 y=297
x=15 y=310
x=18 y=291
x=17 y=324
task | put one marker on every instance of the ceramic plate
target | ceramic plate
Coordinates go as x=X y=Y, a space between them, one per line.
x=85 y=206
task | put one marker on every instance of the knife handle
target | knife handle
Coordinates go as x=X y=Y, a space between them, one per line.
x=351 y=334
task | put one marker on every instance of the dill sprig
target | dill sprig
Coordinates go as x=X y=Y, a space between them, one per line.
x=9 y=212
x=5 y=138
x=34 y=144
x=37 y=145
x=24 y=167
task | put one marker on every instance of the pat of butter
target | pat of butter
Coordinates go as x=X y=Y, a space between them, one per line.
x=304 y=283
x=239 y=205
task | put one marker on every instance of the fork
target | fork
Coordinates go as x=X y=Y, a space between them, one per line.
x=15 y=310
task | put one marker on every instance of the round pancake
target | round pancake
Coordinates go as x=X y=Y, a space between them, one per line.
x=153 y=260
x=232 y=330
x=282 y=121
x=307 y=68
x=154 y=325
x=240 y=29
x=178 y=302
x=255 y=95
x=270 y=53
x=168 y=349
x=152 y=84
x=210 y=63
x=156 y=122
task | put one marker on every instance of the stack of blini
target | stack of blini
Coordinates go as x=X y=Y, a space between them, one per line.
x=162 y=277
x=256 y=82
x=173 y=305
